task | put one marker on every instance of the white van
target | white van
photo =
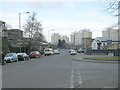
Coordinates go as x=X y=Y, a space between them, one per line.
x=48 y=51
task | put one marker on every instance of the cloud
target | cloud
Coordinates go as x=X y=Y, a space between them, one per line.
x=66 y=28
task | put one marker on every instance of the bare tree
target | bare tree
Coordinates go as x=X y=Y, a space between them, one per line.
x=32 y=27
x=113 y=7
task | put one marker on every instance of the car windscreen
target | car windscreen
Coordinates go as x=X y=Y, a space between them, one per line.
x=8 y=55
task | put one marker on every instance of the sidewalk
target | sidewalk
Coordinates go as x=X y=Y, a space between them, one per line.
x=81 y=56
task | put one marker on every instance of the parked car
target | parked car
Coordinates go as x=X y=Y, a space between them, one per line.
x=22 y=56
x=56 y=51
x=11 y=57
x=51 y=52
x=48 y=51
x=80 y=50
x=35 y=54
x=73 y=52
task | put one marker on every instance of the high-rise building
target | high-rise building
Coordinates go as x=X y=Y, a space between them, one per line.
x=66 y=38
x=54 y=38
x=76 y=37
x=111 y=33
x=72 y=38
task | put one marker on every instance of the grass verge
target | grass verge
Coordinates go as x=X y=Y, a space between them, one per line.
x=114 y=58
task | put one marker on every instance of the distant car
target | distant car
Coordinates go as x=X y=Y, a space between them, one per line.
x=48 y=51
x=22 y=56
x=35 y=54
x=80 y=51
x=56 y=51
x=73 y=52
x=11 y=57
x=51 y=52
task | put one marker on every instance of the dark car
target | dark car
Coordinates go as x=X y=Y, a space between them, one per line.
x=35 y=54
x=22 y=56
x=80 y=51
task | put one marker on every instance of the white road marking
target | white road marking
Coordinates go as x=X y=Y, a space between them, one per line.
x=72 y=79
x=79 y=76
x=75 y=76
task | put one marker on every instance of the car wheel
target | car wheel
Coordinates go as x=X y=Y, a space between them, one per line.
x=17 y=60
x=3 y=62
x=23 y=59
x=11 y=61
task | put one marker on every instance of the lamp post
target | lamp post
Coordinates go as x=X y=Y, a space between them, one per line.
x=20 y=22
x=20 y=19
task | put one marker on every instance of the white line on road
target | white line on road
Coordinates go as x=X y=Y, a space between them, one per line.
x=79 y=76
x=75 y=76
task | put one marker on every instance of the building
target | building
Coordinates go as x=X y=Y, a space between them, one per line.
x=2 y=25
x=105 y=43
x=110 y=33
x=54 y=38
x=15 y=37
x=72 y=38
x=76 y=37
x=66 y=38
x=15 y=34
x=86 y=42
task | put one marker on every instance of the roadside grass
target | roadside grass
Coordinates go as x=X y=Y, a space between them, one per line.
x=114 y=58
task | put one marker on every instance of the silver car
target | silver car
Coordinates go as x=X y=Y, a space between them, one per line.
x=11 y=57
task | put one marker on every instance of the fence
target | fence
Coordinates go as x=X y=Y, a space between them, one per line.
x=104 y=52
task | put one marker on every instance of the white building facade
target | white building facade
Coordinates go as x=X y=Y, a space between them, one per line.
x=54 y=38
x=110 y=33
x=72 y=37
x=76 y=37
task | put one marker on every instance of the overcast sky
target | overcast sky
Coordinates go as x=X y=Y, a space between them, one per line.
x=63 y=17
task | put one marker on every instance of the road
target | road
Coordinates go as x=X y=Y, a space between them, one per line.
x=59 y=71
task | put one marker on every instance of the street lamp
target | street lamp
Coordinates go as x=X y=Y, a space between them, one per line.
x=20 y=22
x=20 y=19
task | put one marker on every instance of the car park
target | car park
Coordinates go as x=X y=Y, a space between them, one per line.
x=22 y=56
x=11 y=57
x=35 y=54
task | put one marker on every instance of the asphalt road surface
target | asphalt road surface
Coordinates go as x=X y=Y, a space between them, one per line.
x=59 y=71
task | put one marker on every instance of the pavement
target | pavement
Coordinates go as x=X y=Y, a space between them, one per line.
x=81 y=56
